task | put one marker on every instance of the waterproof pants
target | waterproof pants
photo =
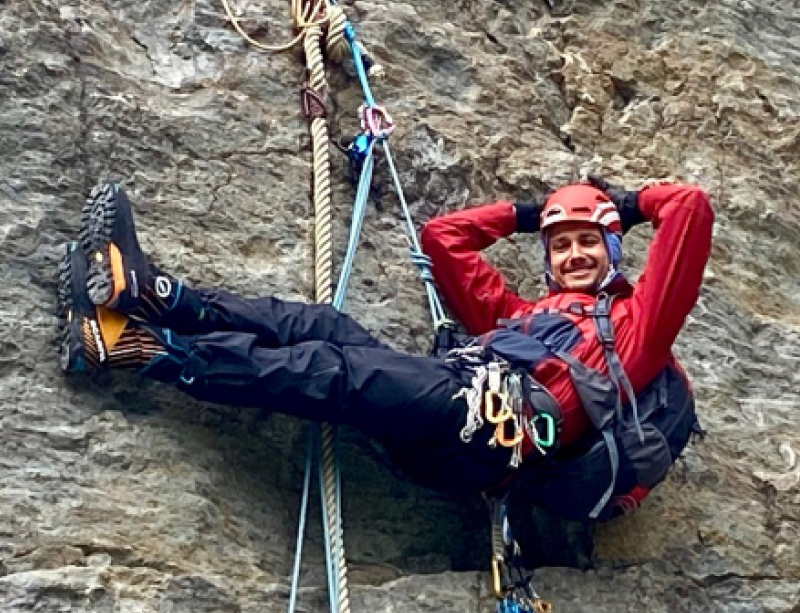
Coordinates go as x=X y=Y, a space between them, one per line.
x=313 y=362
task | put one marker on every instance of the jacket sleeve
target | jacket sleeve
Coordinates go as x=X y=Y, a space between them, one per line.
x=669 y=286
x=473 y=290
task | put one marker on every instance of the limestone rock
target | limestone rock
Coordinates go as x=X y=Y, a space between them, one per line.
x=120 y=495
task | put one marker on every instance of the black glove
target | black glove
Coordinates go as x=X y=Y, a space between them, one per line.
x=627 y=203
x=528 y=214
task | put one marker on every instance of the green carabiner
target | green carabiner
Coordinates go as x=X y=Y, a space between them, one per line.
x=550 y=429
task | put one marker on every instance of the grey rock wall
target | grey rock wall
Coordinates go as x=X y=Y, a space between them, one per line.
x=119 y=495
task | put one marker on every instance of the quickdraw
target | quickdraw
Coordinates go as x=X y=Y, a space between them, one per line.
x=512 y=588
x=505 y=407
x=497 y=395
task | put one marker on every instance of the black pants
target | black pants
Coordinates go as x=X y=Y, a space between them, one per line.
x=311 y=361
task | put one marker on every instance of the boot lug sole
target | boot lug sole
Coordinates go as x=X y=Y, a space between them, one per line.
x=97 y=225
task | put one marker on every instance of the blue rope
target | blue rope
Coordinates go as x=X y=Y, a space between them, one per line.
x=424 y=265
x=298 y=552
x=358 y=60
x=359 y=212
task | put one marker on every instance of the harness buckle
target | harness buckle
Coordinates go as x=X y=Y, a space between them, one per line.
x=576 y=308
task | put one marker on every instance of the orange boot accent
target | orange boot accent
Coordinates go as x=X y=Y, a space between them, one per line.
x=112 y=324
x=117 y=271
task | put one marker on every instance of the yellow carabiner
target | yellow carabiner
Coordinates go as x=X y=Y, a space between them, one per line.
x=542 y=606
x=497 y=580
x=494 y=414
x=500 y=436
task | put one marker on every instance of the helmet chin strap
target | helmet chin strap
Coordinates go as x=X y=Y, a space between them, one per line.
x=612 y=275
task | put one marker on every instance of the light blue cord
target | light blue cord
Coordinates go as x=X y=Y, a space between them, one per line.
x=359 y=212
x=298 y=552
x=417 y=256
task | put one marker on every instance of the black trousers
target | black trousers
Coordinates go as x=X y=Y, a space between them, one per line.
x=311 y=361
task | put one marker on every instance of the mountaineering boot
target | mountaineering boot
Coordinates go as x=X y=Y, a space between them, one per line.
x=120 y=277
x=94 y=338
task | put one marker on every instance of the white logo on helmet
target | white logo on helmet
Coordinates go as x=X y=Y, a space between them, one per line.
x=163 y=287
x=554 y=214
x=605 y=214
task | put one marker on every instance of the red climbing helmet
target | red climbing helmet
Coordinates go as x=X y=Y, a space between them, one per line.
x=581 y=202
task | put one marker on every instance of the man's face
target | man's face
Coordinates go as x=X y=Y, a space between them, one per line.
x=578 y=256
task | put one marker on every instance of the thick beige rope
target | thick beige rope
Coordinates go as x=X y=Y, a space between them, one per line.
x=309 y=17
x=302 y=17
x=323 y=283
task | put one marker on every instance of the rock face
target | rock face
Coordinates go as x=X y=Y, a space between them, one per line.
x=122 y=495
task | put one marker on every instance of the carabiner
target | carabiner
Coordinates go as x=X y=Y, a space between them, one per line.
x=376 y=121
x=550 y=430
x=494 y=414
x=500 y=577
x=500 y=435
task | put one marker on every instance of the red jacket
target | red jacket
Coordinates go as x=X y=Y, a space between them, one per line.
x=646 y=320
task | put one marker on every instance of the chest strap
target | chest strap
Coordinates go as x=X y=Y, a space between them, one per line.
x=605 y=333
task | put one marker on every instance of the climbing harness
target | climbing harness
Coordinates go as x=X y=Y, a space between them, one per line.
x=496 y=390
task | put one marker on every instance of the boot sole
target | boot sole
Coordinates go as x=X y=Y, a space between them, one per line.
x=69 y=325
x=97 y=227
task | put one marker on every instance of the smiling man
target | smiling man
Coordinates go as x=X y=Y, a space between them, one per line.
x=578 y=257
x=598 y=345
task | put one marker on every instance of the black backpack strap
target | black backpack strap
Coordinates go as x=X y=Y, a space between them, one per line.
x=603 y=421
x=605 y=333
x=613 y=456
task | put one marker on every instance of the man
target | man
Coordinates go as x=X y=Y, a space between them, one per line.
x=120 y=311
x=581 y=232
